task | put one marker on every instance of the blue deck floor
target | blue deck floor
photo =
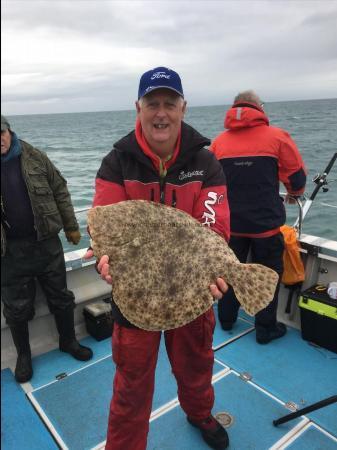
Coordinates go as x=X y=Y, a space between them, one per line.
x=21 y=427
x=313 y=439
x=76 y=407
x=252 y=427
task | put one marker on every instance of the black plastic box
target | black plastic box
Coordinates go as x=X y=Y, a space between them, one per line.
x=319 y=317
x=98 y=319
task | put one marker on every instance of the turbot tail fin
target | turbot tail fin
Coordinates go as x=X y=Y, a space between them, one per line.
x=254 y=286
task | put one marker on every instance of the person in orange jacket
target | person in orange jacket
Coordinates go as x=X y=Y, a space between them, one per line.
x=255 y=158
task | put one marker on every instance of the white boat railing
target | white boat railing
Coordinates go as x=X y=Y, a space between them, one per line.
x=80 y=210
x=283 y=194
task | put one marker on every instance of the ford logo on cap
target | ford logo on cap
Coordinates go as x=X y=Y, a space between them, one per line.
x=160 y=77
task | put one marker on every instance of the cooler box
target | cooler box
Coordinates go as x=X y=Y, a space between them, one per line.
x=98 y=319
x=319 y=317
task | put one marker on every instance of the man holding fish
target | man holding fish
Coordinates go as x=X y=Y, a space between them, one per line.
x=163 y=160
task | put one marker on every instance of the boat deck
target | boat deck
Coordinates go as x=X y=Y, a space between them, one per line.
x=66 y=403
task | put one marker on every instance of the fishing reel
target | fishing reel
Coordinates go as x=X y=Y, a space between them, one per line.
x=321 y=181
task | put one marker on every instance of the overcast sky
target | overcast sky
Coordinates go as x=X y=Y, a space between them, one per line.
x=73 y=56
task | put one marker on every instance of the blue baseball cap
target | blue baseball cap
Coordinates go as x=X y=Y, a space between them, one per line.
x=159 y=77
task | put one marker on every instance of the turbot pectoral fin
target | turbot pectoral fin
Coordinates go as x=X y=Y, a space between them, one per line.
x=254 y=286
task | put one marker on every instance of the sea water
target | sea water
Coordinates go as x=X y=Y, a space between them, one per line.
x=77 y=142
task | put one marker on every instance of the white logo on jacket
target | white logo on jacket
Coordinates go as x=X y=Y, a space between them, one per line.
x=209 y=215
x=194 y=173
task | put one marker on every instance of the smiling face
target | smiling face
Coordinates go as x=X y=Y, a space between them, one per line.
x=160 y=113
x=6 y=139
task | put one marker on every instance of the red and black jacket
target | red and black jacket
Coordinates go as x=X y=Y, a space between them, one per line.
x=194 y=183
x=255 y=157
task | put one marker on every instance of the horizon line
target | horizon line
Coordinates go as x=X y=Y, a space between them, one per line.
x=189 y=107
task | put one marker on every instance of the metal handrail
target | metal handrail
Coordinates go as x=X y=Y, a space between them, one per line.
x=86 y=208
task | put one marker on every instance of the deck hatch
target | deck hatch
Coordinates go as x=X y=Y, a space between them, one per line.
x=246 y=376
x=60 y=376
x=225 y=419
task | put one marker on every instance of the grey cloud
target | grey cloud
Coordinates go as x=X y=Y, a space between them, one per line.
x=141 y=21
x=322 y=19
x=58 y=87
x=172 y=24
x=286 y=49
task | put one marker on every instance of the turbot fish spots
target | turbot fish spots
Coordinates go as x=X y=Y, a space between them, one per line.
x=162 y=262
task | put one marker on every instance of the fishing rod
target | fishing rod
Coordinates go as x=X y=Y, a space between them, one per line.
x=321 y=182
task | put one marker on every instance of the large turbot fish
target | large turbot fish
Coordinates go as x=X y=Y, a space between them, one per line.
x=162 y=262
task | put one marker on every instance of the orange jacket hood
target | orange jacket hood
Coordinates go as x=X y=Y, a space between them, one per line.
x=245 y=115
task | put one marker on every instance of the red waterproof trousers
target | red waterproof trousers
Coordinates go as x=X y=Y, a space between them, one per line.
x=135 y=354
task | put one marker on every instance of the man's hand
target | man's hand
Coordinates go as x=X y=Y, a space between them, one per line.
x=73 y=236
x=89 y=254
x=219 y=289
x=102 y=266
